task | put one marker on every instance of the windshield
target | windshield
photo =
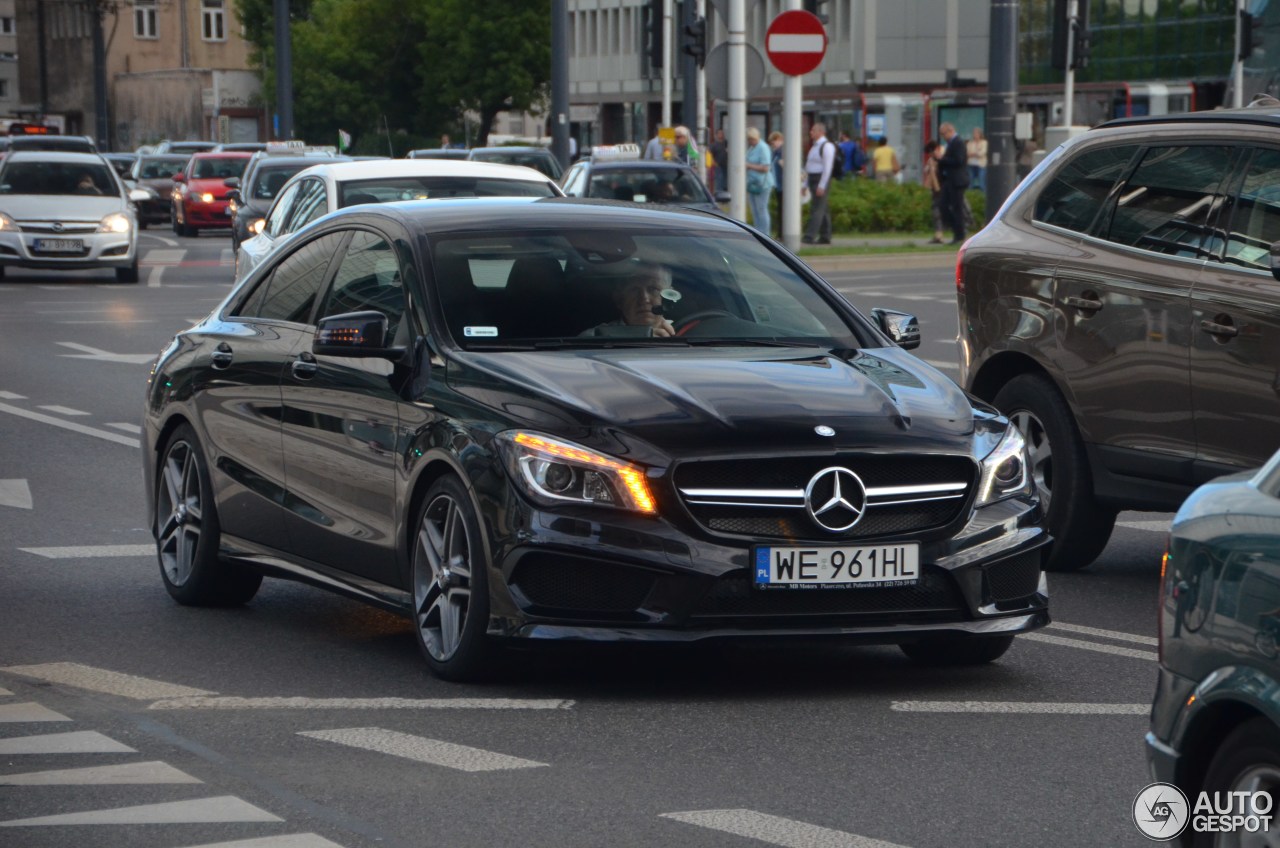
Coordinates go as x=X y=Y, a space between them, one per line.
x=645 y=185
x=219 y=169
x=162 y=169
x=388 y=189
x=57 y=178
x=604 y=287
x=538 y=160
x=267 y=182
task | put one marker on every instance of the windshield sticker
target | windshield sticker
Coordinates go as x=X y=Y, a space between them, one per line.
x=479 y=332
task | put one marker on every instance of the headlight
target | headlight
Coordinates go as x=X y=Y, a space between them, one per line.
x=257 y=225
x=8 y=225
x=552 y=471
x=206 y=198
x=114 y=223
x=1004 y=470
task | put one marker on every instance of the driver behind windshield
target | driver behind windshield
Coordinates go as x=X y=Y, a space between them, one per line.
x=639 y=300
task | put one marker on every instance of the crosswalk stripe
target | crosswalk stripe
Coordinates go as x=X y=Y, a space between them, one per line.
x=776 y=830
x=235 y=703
x=16 y=493
x=420 y=749
x=126 y=427
x=75 y=742
x=29 y=711
x=62 y=410
x=12 y=396
x=224 y=808
x=85 y=551
x=1105 y=634
x=1090 y=646
x=124 y=773
x=105 y=680
x=1027 y=707
x=291 y=840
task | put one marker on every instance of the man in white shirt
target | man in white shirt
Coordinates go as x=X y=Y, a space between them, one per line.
x=817 y=167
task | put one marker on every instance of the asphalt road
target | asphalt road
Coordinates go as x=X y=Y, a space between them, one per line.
x=126 y=720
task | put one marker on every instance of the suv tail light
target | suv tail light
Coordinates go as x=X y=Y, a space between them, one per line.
x=960 y=267
x=1160 y=603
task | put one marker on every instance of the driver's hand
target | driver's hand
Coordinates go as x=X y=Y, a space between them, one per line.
x=663 y=329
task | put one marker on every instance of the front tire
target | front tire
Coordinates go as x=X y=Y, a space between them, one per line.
x=185 y=524
x=1060 y=467
x=1248 y=760
x=128 y=275
x=962 y=650
x=450 y=584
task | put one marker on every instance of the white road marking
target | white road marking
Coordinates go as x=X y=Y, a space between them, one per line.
x=1090 y=646
x=126 y=426
x=12 y=396
x=234 y=703
x=75 y=742
x=776 y=830
x=117 y=775
x=224 y=808
x=291 y=840
x=1026 y=707
x=105 y=680
x=29 y=711
x=87 y=551
x=153 y=276
x=228 y=256
x=937 y=363
x=160 y=256
x=1117 y=635
x=62 y=410
x=105 y=356
x=421 y=749
x=160 y=239
x=16 y=493
x=70 y=425
x=1154 y=525
x=5 y=692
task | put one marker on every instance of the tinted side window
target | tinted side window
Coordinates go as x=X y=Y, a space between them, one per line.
x=1255 y=223
x=310 y=204
x=296 y=281
x=1171 y=198
x=1078 y=191
x=280 y=212
x=368 y=278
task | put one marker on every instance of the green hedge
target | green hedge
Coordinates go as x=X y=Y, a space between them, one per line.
x=865 y=206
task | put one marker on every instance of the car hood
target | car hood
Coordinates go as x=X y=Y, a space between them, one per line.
x=729 y=399
x=43 y=207
x=216 y=187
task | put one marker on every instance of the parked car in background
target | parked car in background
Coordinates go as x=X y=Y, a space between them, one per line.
x=66 y=211
x=153 y=175
x=250 y=197
x=1215 y=721
x=1122 y=308
x=628 y=177
x=462 y=410
x=538 y=158
x=323 y=188
x=168 y=146
x=200 y=192
x=122 y=162
x=439 y=153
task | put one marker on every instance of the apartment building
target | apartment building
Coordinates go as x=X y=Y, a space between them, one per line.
x=8 y=59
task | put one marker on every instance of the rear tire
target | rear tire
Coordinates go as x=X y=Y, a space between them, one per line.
x=1248 y=760
x=962 y=650
x=1060 y=468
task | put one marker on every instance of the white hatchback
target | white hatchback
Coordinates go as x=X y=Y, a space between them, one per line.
x=66 y=211
x=321 y=189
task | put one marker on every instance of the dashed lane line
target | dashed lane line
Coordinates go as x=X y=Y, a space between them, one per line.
x=63 y=410
x=222 y=809
x=92 y=551
x=5 y=693
x=70 y=425
x=776 y=830
x=100 y=355
x=1116 y=635
x=422 y=750
x=12 y=396
x=125 y=426
x=235 y=703
x=75 y=742
x=104 y=680
x=289 y=840
x=16 y=493
x=29 y=712
x=1090 y=646
x=1019 y=707
x=148 y=773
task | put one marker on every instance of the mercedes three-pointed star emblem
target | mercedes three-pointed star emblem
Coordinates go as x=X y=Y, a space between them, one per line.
x=835 y=499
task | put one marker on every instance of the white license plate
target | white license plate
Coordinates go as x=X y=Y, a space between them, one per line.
x=865 y=565
x=59 y=245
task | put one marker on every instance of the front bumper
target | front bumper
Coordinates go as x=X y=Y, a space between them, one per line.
x=200 y=214
x=155 y=210
x=100 y=250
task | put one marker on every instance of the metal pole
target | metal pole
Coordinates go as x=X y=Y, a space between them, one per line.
x=1237 y=69
x=688 y=72
x=99 y=80
x=666 y=62
x=284 y=69
x=1002 y=104
x=43 y=61
x=737 y=109
x=560 y=80
x=1069 y=90
x=698 y=121
x=793 y=150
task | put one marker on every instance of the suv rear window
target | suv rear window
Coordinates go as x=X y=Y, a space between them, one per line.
x=1078 y=191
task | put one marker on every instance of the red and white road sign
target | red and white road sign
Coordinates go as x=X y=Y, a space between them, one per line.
x=796 y=42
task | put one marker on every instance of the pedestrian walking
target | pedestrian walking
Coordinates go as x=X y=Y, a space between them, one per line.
x=818 y=167
x=686 y=147
x=653 y=150
x=931 y=182
x=976 y=147
x=852 y=154
x=775 y=161
x=759 y=179
x=884 y=161
x=718 y=177
x=953 y=173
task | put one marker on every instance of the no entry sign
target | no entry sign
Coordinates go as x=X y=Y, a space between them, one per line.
x=796 y=42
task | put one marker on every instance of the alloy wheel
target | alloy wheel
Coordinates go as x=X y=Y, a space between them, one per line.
x=1260 y=778
x=442 y=577
x=1038 y=451
x=178 y=512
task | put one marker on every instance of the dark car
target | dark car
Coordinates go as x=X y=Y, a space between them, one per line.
x=444 y=408
x=122 y=162
x=53 y=143
x=1215 y=722
x=538 y=158
x=200 y=192
x=640 y=181
x=251 y=196
x=439 y=153
x=1121 y=308
x=153 y=174
x=187 y=147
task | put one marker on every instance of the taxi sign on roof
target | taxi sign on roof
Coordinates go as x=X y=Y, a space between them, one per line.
x=615 y=152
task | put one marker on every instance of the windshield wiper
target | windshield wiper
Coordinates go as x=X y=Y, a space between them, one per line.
x=700 y=342
x=606 y=342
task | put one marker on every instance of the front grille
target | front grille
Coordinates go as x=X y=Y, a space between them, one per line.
x=764 y=498
x=568 y=583
x=934 y=597
x=1014 y=578
x=48 y=228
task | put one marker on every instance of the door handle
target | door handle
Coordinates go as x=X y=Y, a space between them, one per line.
x=221 y=356
x=1085 y=303
x=305 y=366
x=1222 y=327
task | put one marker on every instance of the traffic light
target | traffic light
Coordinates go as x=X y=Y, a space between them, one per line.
x=814 y=7
x=695 y=40
x=1078 y=35
x=1250 y=36
x=1080 y=49
x=653 y=33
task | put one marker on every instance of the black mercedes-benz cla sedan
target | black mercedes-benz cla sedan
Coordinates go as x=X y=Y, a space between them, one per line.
x=539 y=419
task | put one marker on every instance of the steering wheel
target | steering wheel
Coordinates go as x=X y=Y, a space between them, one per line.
x=688 y=322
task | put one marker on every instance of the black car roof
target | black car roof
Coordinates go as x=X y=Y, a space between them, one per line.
x=639 y=165
x=1267 y=114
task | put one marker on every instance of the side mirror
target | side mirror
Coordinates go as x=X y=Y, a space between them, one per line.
x=234 y=194
x=723 y=197
x=902 y=328
x=137 y=195
x=231 y=182
x=360 y=334
x=1275 y=259
x=179 y=178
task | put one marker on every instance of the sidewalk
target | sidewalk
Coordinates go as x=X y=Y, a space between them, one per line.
x=928 y=256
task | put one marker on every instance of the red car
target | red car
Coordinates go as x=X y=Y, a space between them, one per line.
x=200 y=191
